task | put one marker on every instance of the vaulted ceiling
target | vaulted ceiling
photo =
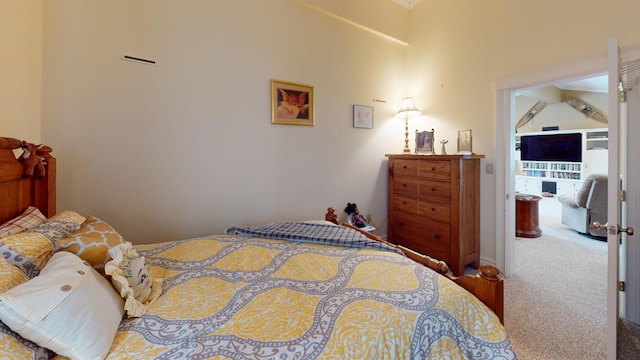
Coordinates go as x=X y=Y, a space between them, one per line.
x=597 y=84
x=407 y=3
x=554 y=93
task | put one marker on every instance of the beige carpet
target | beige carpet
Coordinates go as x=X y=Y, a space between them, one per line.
x=628 y=341
x=555 y=303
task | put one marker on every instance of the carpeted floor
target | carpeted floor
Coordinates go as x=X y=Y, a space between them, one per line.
x=555 y=303
x=628 y=341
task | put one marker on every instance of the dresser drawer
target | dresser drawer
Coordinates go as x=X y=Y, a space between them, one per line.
x=436 y=170
x=405 y=168
x=436 y=190
x=406 y=185
x=435 y=211
x=428 y=237
x=426 y=194
x=406 y=204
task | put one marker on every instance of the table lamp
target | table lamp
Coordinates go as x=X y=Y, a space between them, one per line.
x=407 y=110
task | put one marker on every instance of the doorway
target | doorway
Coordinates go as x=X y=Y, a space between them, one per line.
x=505 y=137
x=628 y=57
x=561 y=268
x=561 y=140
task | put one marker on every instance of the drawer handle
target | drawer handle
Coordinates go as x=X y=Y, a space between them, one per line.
x=433 y=209
x=404 y=166
x=437 y=236
x=404 y=203
x=404 y=185
x=433 y=189
x=433 y=168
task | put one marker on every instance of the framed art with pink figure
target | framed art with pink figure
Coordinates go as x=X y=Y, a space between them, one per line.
x=363 y=116
x=292 y=103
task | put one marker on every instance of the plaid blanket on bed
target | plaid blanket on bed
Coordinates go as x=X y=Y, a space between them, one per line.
x=311 y=232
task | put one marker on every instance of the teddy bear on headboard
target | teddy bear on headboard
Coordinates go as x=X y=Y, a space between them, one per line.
x=32 y=162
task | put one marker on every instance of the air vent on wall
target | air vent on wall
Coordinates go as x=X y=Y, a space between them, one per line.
x=139 y=60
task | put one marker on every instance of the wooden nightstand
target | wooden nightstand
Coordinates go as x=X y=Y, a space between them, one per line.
x=434 y=206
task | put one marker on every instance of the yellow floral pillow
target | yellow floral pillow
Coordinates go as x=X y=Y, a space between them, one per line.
x=30 y=250
x=10 y=275
x=130 y=276
x=92 y=241
x=68 y=216
x=15 y=347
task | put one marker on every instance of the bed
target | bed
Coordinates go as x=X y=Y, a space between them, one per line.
x=288 y=290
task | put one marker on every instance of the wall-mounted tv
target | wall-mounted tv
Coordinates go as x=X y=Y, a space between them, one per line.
x=551 y=147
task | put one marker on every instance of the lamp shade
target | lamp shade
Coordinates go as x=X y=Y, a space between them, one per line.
x=407 y=109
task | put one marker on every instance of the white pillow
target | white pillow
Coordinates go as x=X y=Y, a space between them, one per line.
x=69 y=308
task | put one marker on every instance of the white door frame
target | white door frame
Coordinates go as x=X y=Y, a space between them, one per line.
x=505 y=137
x=614 y=212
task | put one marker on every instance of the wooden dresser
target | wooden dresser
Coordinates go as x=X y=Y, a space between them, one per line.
x=434 y=206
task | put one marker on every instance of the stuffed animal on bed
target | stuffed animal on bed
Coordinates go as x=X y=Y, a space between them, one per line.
x=331 y=215
x=31 y=161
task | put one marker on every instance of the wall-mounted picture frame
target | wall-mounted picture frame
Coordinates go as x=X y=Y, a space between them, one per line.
x=292 y=103
x=424 y=142
x=363 y=116
x=464 y=141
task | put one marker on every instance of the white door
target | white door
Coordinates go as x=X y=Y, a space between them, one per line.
x=630 y=259
x=621 y=214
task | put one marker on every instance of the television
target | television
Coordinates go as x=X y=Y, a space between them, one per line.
x=551 y=147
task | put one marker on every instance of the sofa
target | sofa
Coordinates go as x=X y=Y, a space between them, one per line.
x=588 y=206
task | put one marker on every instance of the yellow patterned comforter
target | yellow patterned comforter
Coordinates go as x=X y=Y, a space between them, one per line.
x=236 y=297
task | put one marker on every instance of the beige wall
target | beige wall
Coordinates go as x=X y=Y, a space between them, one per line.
x=21 y=69
x=460 y=48
x=187 y=148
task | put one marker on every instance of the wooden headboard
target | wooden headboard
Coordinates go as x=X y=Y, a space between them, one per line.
x=18 y=192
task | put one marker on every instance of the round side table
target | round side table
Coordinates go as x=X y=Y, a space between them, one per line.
x=527 y=218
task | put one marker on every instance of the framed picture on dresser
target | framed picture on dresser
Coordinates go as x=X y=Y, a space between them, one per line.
x=424 y=142
x=464 y=142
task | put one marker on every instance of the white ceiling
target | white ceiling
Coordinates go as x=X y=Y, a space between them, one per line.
x=599 y=84
x=552 y=93
x=407 y=3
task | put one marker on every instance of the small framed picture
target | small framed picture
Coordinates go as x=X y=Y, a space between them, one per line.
x=292 y=103
x=424 y=142
x=464 y=141
x=362 y=116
